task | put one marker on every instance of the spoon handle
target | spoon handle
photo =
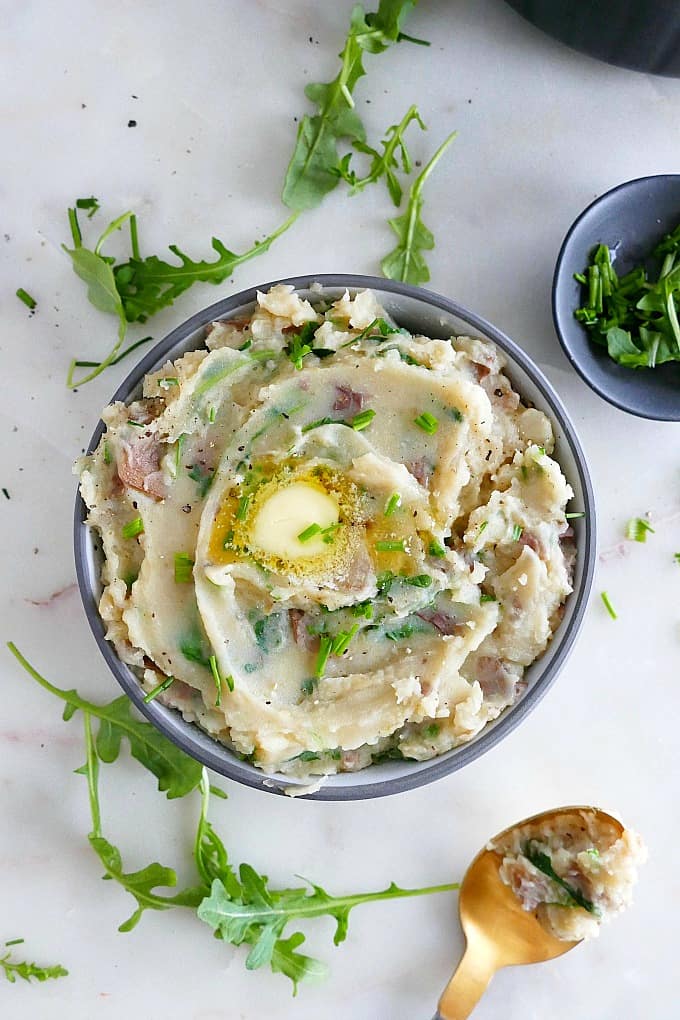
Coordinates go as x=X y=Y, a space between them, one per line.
x=467 y=985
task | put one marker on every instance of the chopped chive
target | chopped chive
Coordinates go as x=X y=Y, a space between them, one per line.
x=482 y=527
x=183 y=568
x=245 y=345
x=676 y=557
x=517 y=532
x=329 y=532
x=310 y=532
x=91 y=204
x=178 y=448
x=427 y=422
x=419 y=580
x=130 y=579
x=608 y=606
x=362 y=420
x=137 y=424
x=391 y=545
x=133 y=528
x=437 y=550
x=107 y=453
x=342 y=640
x=392 y=504
x=163 y=686
x=431 y=731
x=212 y=414
x=454 y=413
x=24 y=296
x=5 y=492
x=487 y=598
x=573 y=516
x=325 y=645
x=242 y=509
x=637 y=528
x=168 y=380
x=14 y=942
x=216 y=677
x=228 y=539
x=321 y=421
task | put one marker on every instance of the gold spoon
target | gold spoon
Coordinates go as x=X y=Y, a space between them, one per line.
x=498 y=932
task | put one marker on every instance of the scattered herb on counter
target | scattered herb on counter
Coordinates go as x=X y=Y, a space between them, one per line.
x=24 y=296
x=608 y=605
x=90 y=205
x=543 y=862
x=406 y=262
x=634 y=317
x=637 y=528
x=13 y=969
x=80 y=363
x=241 y=908
x=676 y=557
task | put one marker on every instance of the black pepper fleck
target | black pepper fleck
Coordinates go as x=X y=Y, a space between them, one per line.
x=132 y=123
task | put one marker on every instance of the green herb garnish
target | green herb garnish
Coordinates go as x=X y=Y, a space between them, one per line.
x=633 y=317
x=13 y=969
x=487 y=598
x=391 y=545
x=162 y=686
x=436 y=549
x=90 y=204
x=392 y=504
x=325 y=646
x=310 y=532
x=406 y=262
x=242 y=508
x=637 y=528
x=315 y=167
x=133 y=528
x=394 y=157
x=24 y=296
x=203 y=477
x=608 y=605
x=107 y=453
x=573 y=516
x=517 y=532
x=427 y=422
x=183 y=568
x=362 y=420
x=419 y=580
x=543 y=863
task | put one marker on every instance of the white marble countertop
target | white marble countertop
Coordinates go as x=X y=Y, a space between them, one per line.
x=213 y=87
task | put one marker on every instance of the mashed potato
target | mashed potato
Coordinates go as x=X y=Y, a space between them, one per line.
x=342 y=542
x=575 y=871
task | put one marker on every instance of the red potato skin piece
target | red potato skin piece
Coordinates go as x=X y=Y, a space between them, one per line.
x=139 y=467
x=348 y=399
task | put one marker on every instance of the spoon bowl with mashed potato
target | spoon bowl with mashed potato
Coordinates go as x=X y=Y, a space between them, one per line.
x=335 y=536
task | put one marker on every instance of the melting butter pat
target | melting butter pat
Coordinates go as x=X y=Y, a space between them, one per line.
x=287 y=514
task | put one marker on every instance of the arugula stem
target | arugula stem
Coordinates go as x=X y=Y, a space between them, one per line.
x=75 y=228
x=92 y=777
x=112 y=227
x=72 y=697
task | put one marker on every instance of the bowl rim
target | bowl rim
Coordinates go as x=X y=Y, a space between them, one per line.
x=557 y=283
x=220 y=758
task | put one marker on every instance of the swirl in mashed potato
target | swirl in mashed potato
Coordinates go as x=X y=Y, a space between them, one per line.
x=354 y=538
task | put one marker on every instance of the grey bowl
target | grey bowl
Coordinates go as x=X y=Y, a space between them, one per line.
x=632 y=218
x=420 y=311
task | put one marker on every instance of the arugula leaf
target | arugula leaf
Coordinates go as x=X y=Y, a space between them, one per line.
x=147 y=285
x=313 y=168
x=140 y=884
x=96 y=271
x=259 y=915
x=406 y=261
x=177 y=774
x=394 y=156
x=543 y=863
x=29 y=971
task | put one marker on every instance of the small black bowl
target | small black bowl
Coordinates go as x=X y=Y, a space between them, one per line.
x=631 y=218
